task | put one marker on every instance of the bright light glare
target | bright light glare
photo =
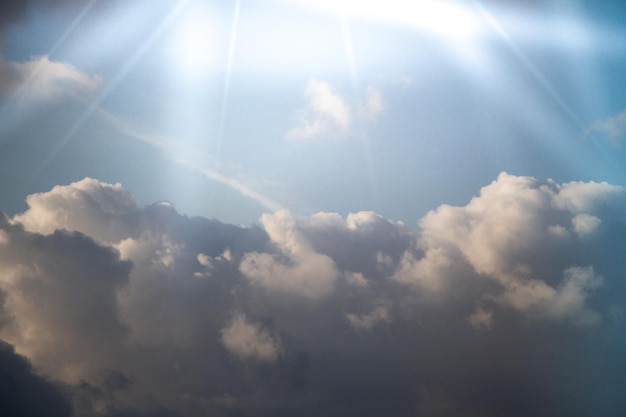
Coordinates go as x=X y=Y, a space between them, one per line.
x=442 y=18
x=193 y=45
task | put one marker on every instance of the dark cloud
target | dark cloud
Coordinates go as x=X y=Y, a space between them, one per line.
x=23 y=393
x=14 y=11
x=510 y=305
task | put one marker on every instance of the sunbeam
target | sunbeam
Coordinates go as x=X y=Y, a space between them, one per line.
x=112 y=84
x=232 y=45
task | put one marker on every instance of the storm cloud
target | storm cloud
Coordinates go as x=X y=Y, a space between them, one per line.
x=509 y=305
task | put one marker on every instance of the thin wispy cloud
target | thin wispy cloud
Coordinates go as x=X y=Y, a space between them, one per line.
x=188 y=157
x=40 y=79
x=613 y=128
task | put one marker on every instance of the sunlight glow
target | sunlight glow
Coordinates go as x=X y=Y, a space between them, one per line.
x=193 y=44
x=441 y=18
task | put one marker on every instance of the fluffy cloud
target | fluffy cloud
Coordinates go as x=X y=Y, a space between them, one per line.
x=143 y=311
x=507 y=235
x=296 y=268
x=41 y=79
x=109 y=212
x=328 y=114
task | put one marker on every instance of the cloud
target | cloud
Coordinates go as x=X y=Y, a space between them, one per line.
x=585 y=223
x=503 y=235
x=20 y=385
x=325 y=112
x=328 y=114
x=143 y=311
x=248 y=340
x=108 y=215
x=613 y=127
x=40 y=79
x=367 y=321
x=481 y=319
x=296 y=268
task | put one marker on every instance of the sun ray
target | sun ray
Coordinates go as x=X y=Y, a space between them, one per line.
x=530 y=66
x=36 y=72
x=226 y=91
x=110 y=86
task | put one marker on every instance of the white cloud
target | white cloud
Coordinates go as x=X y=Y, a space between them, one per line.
x=297 y=269
x=584 y=224
x=107 y=211
x=249 y=341
x=42 y=79
x=503 y=234
x=327 y=114
x=429 y=272
x=584 y=197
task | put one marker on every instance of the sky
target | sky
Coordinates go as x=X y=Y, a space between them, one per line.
x=312 y=207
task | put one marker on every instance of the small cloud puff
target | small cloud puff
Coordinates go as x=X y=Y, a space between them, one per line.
x=248 y=340
x=367 y=321
x=328 y=114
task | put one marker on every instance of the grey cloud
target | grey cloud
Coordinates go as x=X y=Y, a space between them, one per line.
x=23 y=393
x=508 y=305
x=246 y=339
x=14 y=11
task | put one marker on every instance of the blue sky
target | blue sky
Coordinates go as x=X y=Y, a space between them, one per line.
x=311 y=207
x=514 y=90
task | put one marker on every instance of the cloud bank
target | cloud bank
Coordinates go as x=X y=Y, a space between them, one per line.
x=509 y=305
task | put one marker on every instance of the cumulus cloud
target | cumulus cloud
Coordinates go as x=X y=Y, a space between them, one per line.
x=40 y=79
x=585 y=223
x=328 y=114
x=504 y=235
x=296 y=268
x=109 y=212
x=143 y=311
